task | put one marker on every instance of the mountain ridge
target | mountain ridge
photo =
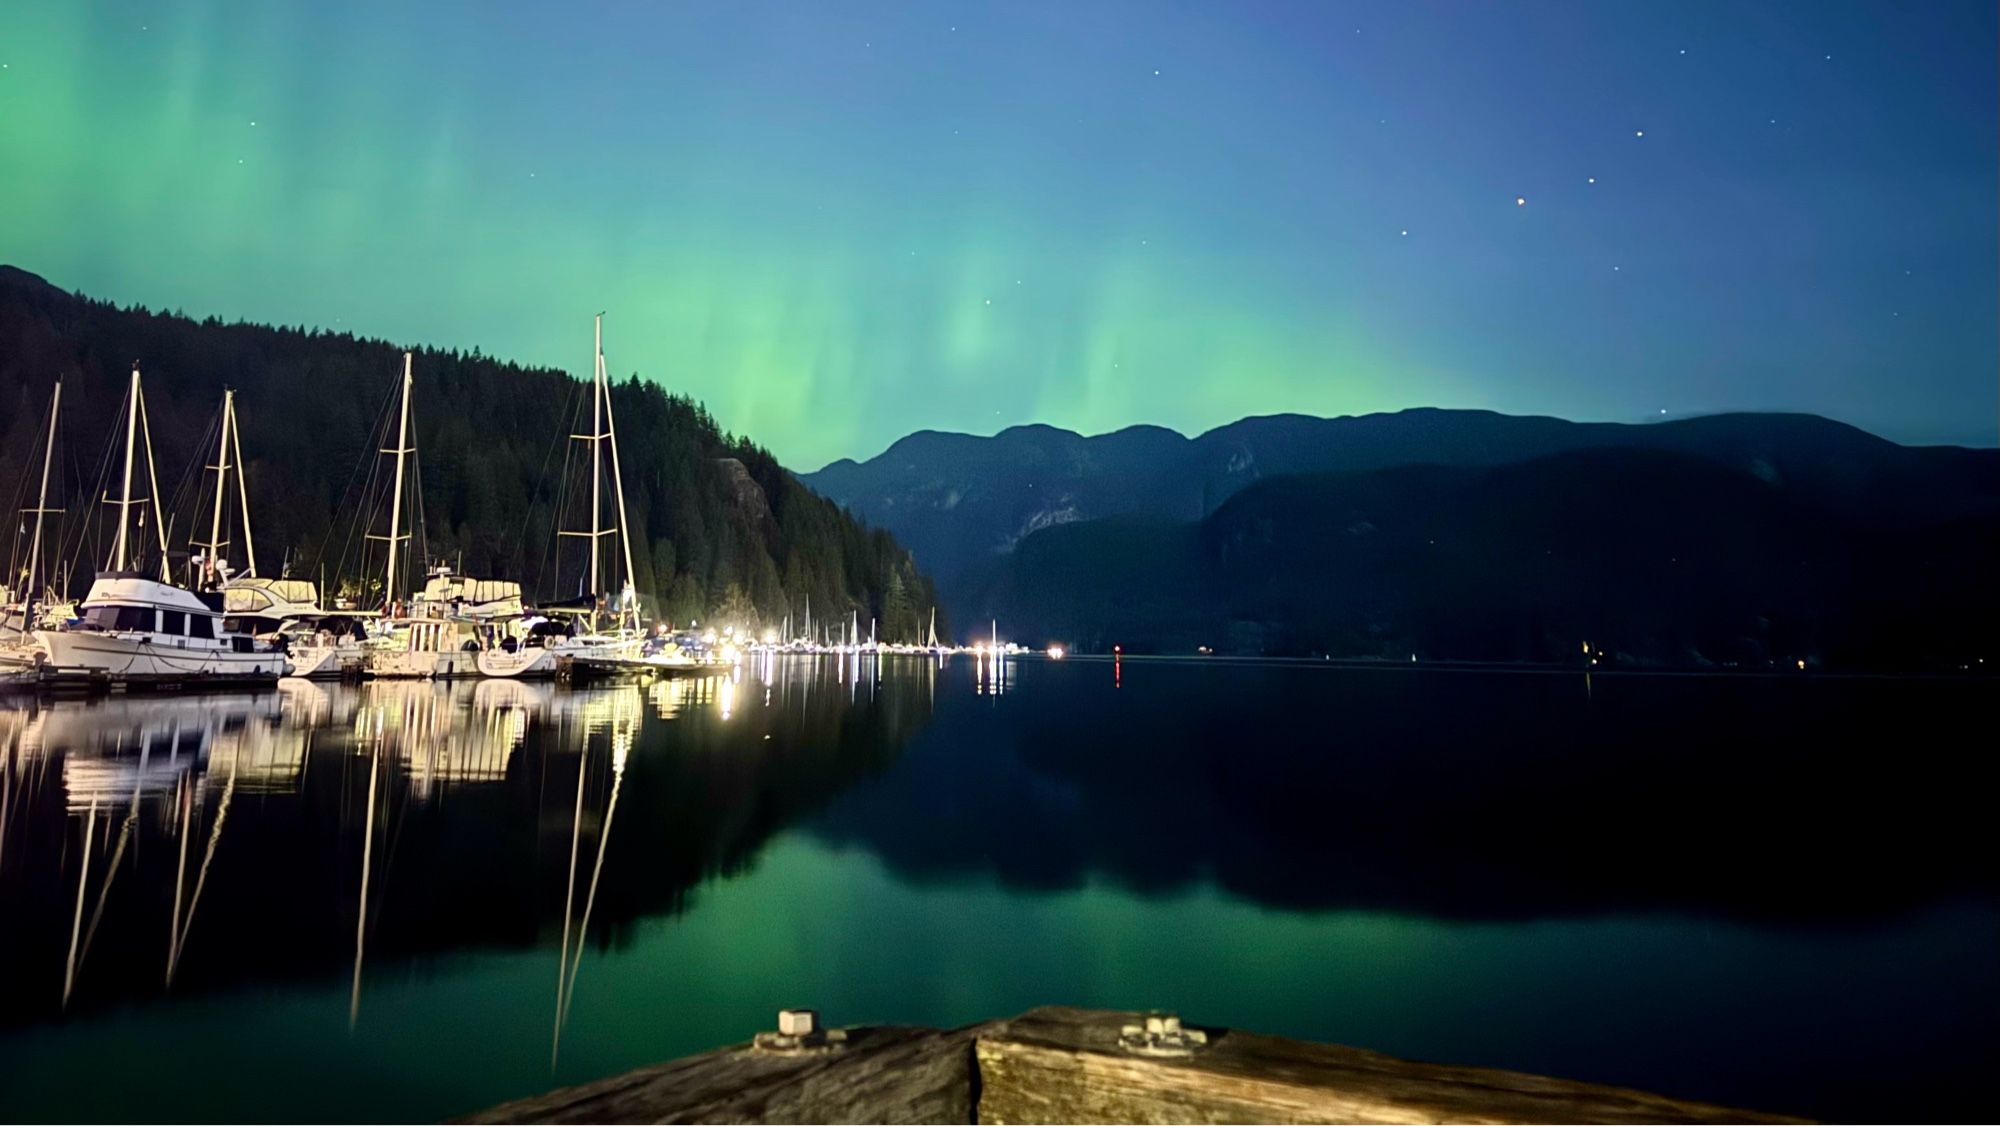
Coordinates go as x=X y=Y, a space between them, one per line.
x=1649 y=557
x=963 y=503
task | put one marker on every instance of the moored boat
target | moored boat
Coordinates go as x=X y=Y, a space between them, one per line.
x=138 y=631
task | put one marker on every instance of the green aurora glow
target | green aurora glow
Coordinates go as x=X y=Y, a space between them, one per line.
x=835 y=224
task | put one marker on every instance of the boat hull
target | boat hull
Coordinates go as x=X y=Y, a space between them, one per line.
x=526 y=663
x=422 y=664
x=323 y=662
x=86 y=657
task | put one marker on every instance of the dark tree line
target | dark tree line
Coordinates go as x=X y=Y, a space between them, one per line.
x=719 y=529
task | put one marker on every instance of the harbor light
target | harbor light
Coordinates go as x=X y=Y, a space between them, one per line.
x=1055 y=652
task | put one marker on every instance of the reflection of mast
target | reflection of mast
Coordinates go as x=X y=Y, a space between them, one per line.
x=569 y=904
x=367 y=859
x=621 y=719
x=178 y=940
x=620 y=743
x=76 y=923
x=111 y=870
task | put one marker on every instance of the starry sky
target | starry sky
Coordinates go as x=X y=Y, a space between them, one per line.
x=838 y=222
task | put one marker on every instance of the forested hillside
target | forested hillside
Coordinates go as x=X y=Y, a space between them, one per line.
x=720 y=530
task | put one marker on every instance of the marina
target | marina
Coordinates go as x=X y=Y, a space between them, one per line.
x=135 y=630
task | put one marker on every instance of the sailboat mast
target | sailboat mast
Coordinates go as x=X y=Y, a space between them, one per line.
x=396 y=499
x=617 y=477
x=153 y=490
x=41 y=506
x=596 y=463
x=242 y=490
x=214 y=545
x=131 y=440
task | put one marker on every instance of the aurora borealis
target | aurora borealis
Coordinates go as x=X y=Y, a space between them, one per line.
x=836 y=223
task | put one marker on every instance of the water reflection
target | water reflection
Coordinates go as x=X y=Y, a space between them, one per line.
x=1476 y=796
x=965 y=837
x=414 y=816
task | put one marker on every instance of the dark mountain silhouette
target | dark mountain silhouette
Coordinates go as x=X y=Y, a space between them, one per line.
x=1652 y=556
x=964 y=504
x=720 y=528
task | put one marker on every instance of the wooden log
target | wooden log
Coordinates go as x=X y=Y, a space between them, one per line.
x=886 y=1074
x=1067 y=1065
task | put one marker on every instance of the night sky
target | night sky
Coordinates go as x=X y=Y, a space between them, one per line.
x=839 y=222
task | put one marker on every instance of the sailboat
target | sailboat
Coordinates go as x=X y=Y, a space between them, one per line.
x=137 y=630
x=435 y=639
x=286 y=611
x=35 y=603
x=609 y=638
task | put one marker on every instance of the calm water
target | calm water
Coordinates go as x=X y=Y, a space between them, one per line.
x=1767 y=892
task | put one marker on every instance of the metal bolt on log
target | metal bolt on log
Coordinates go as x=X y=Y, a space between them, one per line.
x=799 y=1032
x=1161 y=1036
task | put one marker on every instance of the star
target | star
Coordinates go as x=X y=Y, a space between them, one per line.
x=1520 y=201
x=1684 y=50
x=1156 y=73
x=989 y=301
x=1639 y=133
x=1406 y=234
x=1591 y=180
x=1616 y=269
x=253 y=124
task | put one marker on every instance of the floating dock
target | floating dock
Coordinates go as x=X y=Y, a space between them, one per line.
x=1080 y=1065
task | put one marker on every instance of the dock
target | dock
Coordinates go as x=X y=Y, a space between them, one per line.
x=1080 y=1065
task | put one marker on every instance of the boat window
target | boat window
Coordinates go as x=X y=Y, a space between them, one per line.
x=119 y=617
x=174 y=622
x=201 y=625
x=241 y=644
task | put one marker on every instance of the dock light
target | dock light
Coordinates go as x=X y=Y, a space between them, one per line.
x=1055 y=652
x=1802 y=664
x=1115 y=649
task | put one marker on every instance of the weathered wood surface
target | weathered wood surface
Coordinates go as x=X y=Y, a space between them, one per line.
x=1066 y=1065
x=880 y=1075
